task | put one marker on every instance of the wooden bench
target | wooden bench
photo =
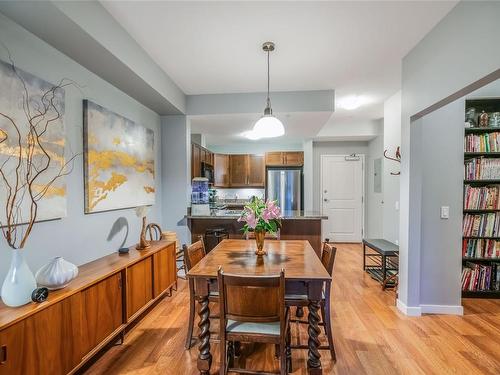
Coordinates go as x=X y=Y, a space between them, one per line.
x=382 y=263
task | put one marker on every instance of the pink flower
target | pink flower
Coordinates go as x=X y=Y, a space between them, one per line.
x=251 y=220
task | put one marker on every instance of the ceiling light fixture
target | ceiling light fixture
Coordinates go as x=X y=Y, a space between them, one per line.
x=351 y=102
x=268 y=126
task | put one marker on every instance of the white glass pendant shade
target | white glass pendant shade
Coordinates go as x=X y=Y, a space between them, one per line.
x=268 y=126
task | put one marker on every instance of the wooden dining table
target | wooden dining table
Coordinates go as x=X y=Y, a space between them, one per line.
x=302 y=268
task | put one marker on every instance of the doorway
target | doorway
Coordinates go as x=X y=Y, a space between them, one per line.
x=342 y=197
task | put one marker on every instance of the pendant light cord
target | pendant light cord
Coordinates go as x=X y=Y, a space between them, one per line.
x=268 y=76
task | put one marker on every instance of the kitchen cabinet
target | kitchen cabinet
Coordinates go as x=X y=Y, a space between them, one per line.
x=238 y=165
x=247 y=171
x=284 y=159
x=195 y=161
x=256 y=171
x=221 y=170
x=199 y=154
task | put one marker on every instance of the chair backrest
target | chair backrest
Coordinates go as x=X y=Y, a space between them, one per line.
x=194 y=253
x=252 y=298
x=328 y=256
x=269 y=236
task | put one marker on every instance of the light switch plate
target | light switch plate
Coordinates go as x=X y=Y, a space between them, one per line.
x=445 y=212
x=396 y=205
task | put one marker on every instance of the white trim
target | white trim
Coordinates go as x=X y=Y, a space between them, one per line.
x=442 y=309
x=410 y=311
x=363 y=189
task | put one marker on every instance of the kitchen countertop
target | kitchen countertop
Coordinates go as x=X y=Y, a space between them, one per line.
x=287 y=215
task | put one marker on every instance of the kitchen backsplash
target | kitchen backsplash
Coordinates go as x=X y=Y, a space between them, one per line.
x=239 y=193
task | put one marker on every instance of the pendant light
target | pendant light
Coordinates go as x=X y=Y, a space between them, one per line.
x=268 y=126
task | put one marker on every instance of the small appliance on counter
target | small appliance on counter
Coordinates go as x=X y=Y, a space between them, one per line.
x=200 y=205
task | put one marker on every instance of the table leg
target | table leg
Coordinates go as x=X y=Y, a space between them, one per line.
x=364 y=257
x=204 y=357
x=314 y=358
x=384 y=268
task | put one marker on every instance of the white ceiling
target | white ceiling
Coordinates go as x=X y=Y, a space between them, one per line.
x=215 y=47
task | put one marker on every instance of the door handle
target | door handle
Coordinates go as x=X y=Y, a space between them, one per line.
x=325 y=199
x=3 y=355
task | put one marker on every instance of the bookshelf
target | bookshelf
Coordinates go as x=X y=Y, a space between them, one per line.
x=481 y=210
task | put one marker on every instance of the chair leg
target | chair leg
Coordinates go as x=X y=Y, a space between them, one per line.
x=289 y=350
x=223 y=357
x=189 y=336
x=283 y=359
x=328 y=328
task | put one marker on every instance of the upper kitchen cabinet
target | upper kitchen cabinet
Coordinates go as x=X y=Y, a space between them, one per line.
x=221 y=170
x=256 y=171
x=199 y=155
x=238 y=165
x=280 y=159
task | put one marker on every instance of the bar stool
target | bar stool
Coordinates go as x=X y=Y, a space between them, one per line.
x=213 y=236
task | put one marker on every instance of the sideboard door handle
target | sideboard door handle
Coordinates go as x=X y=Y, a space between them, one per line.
x=3 y=354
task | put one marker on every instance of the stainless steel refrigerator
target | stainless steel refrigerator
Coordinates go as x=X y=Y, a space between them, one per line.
x=286 y=186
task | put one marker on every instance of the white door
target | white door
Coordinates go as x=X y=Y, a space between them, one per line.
x=342 y=197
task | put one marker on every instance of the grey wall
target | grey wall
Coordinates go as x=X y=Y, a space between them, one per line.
x=460 y=50
x=374 y=225
x=392 y=139
x=176 y=162
x=442 y=185
x=79 y=238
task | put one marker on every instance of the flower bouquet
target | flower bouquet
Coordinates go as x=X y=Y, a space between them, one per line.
x=261 y=217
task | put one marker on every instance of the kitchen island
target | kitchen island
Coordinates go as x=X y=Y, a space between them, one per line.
x=296 y=225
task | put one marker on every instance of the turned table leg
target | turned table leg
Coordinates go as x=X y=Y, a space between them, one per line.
x=314 y=358
x=204 y=356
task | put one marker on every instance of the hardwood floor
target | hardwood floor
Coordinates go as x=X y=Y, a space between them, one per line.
x=370 y=335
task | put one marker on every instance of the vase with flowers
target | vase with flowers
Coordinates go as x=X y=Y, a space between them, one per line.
x=261 y=217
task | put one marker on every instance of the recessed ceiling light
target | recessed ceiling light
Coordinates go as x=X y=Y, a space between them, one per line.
x=351 y=102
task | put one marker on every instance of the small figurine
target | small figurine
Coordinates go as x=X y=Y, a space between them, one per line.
x=470 y=117
x=483 y=119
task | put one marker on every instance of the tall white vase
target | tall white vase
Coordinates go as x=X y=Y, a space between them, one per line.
x=19 y=282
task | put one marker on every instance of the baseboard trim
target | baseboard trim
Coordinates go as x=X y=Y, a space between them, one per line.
x=442 y=309
x=408 y=310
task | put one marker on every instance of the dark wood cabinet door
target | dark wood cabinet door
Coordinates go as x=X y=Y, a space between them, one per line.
x=47 y=342
x=274 y=158
x=102 y=311
x=139 y=285
x=165 y=269
x=221 y=170
x=256 y=171
x=238 y=164
x=295 y=158
x=195 y=161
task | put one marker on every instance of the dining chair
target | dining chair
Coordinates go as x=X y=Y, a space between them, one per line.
x=268 y=236
x=252 y=309
x=297 y=297
x=192 y=255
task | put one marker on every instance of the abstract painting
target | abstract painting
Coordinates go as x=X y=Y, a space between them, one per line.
x=32 y=157
x=119 y=161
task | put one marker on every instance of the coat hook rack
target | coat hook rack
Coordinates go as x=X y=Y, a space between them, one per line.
x=396 y=158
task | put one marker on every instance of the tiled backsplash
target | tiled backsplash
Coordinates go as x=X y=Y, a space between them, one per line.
x=239 y=193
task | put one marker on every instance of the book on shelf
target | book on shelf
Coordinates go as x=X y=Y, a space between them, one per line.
x=481 y=225
x=482 y=169
x=479 y=277
x=480 y=248
x=488 y=142
x=481 y=198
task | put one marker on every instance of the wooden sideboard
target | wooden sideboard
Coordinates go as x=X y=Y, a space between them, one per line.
x=61 y=334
